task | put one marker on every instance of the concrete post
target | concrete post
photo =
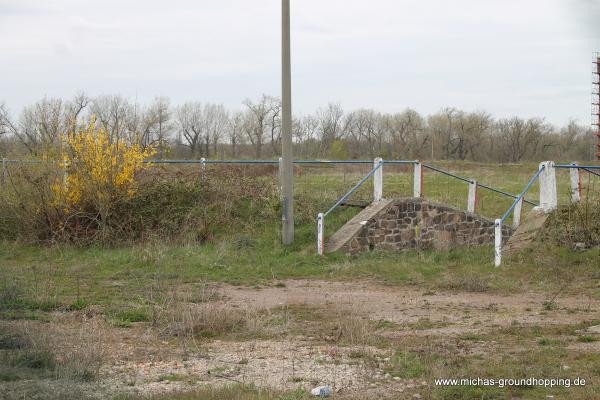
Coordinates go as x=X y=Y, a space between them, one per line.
x=378 y=180
x=548 y=192
x=202 y=170
x=418 y=179
x=321 y=234
x=498 y=243
x=517 y=214
x=472 y=200
x=287 y=199
x=575 y=184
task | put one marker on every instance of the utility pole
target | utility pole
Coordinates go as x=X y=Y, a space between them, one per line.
x=287 y=229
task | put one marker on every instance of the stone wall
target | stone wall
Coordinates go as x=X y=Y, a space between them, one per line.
x=419 y=224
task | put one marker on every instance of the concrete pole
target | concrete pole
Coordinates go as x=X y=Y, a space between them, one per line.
x=418 y=180
x=517 y=212
x=498 y=243
x=378 y=181
x=287 y=172
x=321 y=234
x=575 y=184
x=472 y=199
x=203 y=170
x=548 y=192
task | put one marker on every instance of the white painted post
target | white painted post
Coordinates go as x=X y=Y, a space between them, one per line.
x=517 y=214
x=472 y=200
x=548 y=192
x=575 y=184
x=498 y=243
x=203 y=169
x=378 y=180
x=321 y=234
x=418 y=179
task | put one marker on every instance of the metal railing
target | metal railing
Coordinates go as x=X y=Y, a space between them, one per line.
x=470 y=181
x=378 y=185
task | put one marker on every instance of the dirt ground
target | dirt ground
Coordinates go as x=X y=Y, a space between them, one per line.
x=144 y=361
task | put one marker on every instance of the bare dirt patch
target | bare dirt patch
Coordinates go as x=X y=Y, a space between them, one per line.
x=364 y=339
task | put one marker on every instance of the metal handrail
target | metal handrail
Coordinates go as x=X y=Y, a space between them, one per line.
x=354 y=189
x=522 y=195
x=591 y=172
x=505 y=193
x=577 y=166
x=441 y=171
x=481 y=185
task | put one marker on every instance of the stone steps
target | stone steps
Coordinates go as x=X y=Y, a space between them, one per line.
x=413 y=223
x=342 y=237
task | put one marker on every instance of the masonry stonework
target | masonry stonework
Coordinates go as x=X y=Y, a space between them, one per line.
x=419 y=224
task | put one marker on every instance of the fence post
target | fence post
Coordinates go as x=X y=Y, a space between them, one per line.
x=472 y=200
x=548 y=192
x=280 y=176
x=418 y=179
x=321 y=234
x=517 y=214
x=498 y=242
x=378 y=180
x=575 y=184
x=202 y=170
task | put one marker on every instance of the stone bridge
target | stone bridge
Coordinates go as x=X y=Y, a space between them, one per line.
x=413 y=223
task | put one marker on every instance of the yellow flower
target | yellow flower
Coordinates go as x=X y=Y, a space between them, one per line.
x=96 y=168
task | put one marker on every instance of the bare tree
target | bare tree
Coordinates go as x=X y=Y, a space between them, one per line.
x=261 y=113
x=118 y=117
x=190 y=122
x=330 y=121
x=520 y=137
x=235 y=128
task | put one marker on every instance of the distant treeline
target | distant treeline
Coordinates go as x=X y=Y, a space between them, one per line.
x=194 y=130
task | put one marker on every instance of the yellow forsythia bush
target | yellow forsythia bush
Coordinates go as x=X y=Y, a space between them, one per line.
x=97 y=170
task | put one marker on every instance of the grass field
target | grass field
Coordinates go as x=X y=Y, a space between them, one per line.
x=222 y=320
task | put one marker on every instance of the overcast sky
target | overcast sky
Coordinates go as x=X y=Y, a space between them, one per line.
x=508 y=57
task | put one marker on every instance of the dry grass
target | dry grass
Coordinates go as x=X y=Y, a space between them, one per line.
x=53 y=351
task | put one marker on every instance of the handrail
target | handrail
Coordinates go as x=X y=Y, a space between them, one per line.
x=522 y=195
x=441 y=171
x=505 y=193
x=591 y=172
x=577 y=166
x=401 y=161
x=354 y=189
x=431 y=167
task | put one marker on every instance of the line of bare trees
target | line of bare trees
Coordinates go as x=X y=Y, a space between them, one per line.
x=194 y=130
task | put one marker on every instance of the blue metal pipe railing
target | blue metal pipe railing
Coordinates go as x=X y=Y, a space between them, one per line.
x=431 y=167
x=577 y=166
x=401 y=161
x=591 y=172
x=441 y=171
x=505 y=193
x=522 y=195
x=354 y=189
